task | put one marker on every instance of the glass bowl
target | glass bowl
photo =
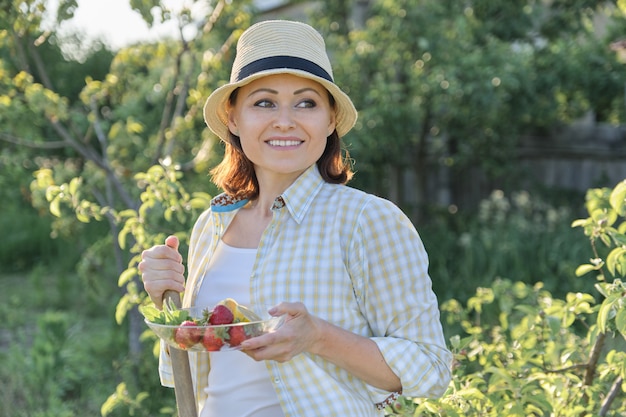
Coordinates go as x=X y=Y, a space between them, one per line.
x=212 y=338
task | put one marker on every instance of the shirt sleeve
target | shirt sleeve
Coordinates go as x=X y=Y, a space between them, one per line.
x=165 y=361
x=396 y=297
x=165 y=366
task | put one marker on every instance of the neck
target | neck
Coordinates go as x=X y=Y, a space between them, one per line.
x=272 y=185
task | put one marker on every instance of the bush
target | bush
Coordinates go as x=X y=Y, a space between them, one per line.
x=518 y=237
x=520 y=351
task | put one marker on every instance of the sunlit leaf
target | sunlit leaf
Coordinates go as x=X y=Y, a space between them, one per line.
x=618 y=198
x=55 y=208
x=122 y=308
x=607 y=312
x=126 y=276
x=615 y=260
x=584 y=269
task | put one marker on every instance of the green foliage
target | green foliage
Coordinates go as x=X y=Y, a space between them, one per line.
x=109 y=138
x=166 y=209
x=26 y=238
x=606 y=226
x=170 y=315
x=55 y=361
x=452 y=85
x=131 y=405
x=521 y=237
x=520 y=351
x=110 y=151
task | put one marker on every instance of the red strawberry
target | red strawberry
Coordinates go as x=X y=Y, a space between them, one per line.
x=221 y=315
x=211 y=340
x=237 y=335
x=188 y=334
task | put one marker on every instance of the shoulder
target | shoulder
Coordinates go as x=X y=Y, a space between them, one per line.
x=358 y=202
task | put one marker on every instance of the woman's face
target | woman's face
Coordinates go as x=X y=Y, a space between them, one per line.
x=283 y=122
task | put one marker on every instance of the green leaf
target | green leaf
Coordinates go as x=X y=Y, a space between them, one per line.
x=614 y=261
x=169 y=315
x=122 y=308
x=542 y=403
x=121 y=237
x=152 y=314
x=455 y=341
x=55 y=209
x=129 y=213
x=74 y=184
x=82 y=217
x=607 y=312
x=126 y=276
x=113 y=401
x=555 y=325
x=620 y=320
x=618 y=198
x=584 y=269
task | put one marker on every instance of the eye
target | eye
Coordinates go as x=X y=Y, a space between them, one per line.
x=307 y=104
x=264 y=103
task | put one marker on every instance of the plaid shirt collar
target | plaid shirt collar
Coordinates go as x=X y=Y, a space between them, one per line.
x=297 y=198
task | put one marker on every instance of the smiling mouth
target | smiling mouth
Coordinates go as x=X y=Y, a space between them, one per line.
x=284 y=142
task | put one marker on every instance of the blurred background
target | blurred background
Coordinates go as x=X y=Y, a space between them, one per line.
x=486 y=121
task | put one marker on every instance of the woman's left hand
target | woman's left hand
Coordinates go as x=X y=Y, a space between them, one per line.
x=300 y=332
x=304 y=332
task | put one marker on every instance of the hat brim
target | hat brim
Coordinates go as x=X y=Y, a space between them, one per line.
x=216 y=105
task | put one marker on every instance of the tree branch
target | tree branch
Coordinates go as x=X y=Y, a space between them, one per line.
x=166 y=116
x=39 y=65
x=89 y=154
x=21 y=54
x=175 y=100
x=7 y=137
x=593 y=359
x=606 y=404
x=566 y=369
x=217 y=11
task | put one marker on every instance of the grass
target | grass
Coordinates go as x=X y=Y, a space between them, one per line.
x=56 y=362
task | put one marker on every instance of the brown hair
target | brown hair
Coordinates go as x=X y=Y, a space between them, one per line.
x=235 y=173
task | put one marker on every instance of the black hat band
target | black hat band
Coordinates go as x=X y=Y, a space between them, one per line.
x=282 y=61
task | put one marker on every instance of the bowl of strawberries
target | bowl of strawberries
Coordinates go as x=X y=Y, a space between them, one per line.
x=202 y=329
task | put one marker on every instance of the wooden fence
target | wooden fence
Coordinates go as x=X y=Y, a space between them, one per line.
x=577 y=158
x=572 y=159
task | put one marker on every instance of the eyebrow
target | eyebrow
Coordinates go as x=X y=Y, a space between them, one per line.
x=302 y=90
x=295 y=93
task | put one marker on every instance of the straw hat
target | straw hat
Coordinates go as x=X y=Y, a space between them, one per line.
x=278 y=47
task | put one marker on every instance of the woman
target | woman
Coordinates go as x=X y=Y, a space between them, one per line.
x=346 y=269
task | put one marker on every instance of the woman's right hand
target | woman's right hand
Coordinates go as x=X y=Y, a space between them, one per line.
x=162 y=269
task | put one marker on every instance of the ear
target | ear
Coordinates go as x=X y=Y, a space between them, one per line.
x=332 y=124
x=232 y=123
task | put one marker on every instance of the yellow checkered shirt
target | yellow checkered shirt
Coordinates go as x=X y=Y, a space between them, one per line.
x=353 y=259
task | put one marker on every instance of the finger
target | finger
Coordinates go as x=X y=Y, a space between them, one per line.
x=291 y=309
x=268 y=347
x=150 y=263
x=162 y=252
x=157 y=287
x=258 y=342
x=172 y=242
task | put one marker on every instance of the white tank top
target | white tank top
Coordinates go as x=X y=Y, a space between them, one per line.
x=238 y=385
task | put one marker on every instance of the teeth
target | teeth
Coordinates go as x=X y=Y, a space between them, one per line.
x=284 y=142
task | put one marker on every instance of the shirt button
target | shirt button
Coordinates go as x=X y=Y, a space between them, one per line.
x=277 y=380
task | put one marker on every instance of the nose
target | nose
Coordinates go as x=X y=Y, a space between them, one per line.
x=284 y=119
